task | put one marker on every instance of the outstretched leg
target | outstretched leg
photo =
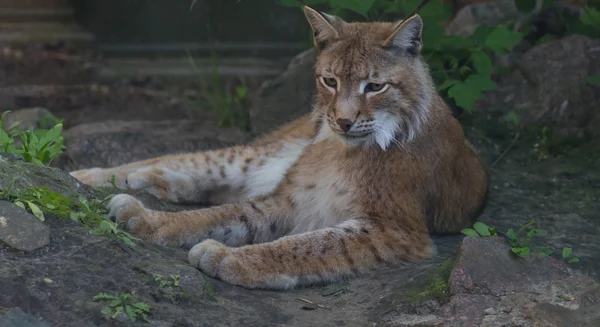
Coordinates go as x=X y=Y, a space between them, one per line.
x=252 y=221
x=212 y=177
x=272 y=260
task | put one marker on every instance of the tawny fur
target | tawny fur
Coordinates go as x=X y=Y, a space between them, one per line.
x=311 y=202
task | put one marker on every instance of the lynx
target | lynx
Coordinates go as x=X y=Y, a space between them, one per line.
x=364 y=180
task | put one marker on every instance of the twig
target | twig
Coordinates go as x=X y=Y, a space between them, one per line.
x=510 y=146
x=311 y=302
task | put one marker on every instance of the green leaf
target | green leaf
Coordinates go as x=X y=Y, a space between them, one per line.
x=464 y=95
x=20 y=204
x=566 y=252
x=523 y=252
x=481 y=228
x=142 y=306
x=513 y=117
x=469 y=232
x=130 y=313
x=590 y=17
x=105 y=226
x=501 y=39
x=531 y=222
x=593 y=79
x=103 y=296
x=117 y=311
x=493 y=231
x=482 y=62
x=573 y=260
x=531 y=234
x=446 y=84
x=545 y=252
x=481 y=82
x=35 y=210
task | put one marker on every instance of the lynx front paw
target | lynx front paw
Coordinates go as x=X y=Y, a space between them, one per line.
x=100 y=177
x=127 y=209
x=217 y=260
x=165 y=184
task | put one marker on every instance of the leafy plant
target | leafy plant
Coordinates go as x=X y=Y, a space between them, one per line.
x=39 y=146
x=90 y=213
x=228 y=107
x=479 y=229
x=124 y=303
x=566 y=255
x=173 y=280
x=523 y=248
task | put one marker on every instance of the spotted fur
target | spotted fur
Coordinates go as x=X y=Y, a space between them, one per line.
x=378 y=166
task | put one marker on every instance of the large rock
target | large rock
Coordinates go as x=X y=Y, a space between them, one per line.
x=478 y=13
x=112 y=143
x=287 y=96
x=19 y=175
x=549 y=87
x=20 y=230
x=490 y=287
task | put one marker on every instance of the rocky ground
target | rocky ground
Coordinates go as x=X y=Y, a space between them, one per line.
x=51 y=270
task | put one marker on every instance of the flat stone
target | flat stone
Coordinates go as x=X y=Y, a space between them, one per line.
x=486 y=266
x=17 y=318
x=20 y=230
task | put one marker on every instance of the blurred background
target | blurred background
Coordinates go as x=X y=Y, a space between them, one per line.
x=188 y=75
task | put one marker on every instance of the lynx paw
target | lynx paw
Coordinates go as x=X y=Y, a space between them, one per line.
x=217 y=260
x=100 y=177
x=165 y=184
x=127 y=209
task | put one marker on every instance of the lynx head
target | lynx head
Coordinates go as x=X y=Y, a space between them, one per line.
x=373 y=88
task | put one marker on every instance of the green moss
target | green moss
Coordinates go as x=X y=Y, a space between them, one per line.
x=437 y=287
x=90 y=213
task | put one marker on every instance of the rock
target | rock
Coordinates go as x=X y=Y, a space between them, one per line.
x=485 y=266
x=36 y=117
x=20 y=175
x=17 y=318
x=112 y=143
x=287 y=96
x=490 y=287
x=486 y=13
x=549 y=87
x=20 y=230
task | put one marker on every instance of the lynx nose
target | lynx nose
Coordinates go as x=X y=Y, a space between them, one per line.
x=344 y=123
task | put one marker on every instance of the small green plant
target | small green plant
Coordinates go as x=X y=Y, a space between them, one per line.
x=523 y=248
x=566 y=255
x=90 y=213
x=437 y=287
x=124 y=303
x=173 y=280
x=39 y=146
x=479 y=229
x=228 y=107
x=112 y=181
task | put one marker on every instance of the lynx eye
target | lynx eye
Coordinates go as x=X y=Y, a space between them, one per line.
x=374 y=87
x=330 y=81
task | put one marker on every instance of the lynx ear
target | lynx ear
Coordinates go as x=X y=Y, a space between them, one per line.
x=407 y=35
x=326 y=28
